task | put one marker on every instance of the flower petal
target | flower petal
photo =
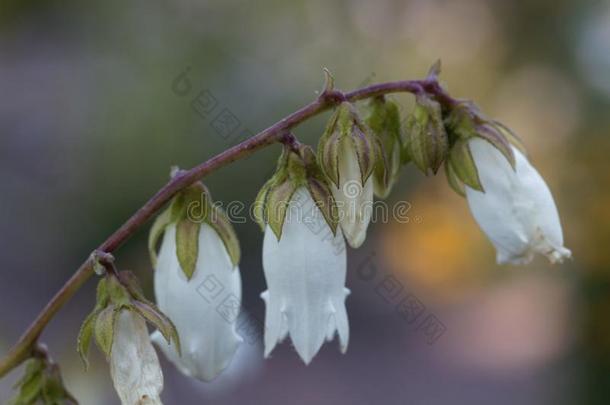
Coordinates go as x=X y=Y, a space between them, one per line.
x=134 y=365
x=204 y=309
x=305 y=273
x=517 y=210
x=354 y=200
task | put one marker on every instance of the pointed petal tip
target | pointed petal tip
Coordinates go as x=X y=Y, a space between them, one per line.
x=306 y=357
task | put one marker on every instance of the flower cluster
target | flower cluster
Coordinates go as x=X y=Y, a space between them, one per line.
x=315 y=204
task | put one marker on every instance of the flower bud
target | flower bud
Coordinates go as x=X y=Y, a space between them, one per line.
x=199 y=248
x=426 y=141
x=348 y=153
x=384 y=121
x=42 y=383
x=118 y=324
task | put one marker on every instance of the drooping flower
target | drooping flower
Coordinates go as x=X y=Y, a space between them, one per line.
x=348 y=153
x=197 y=282
x=305 y=273
x=304 y=257
x=507 y=196
x=134 y=365
x=207 y=335
x=515 y=209
x=118 y=324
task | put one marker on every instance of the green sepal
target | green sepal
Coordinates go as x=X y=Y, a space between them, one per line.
x=197 y=203
x=427 y=142
x=53 y=390
x=30 y=386
x=460 y=121
x=463 y=164
x=41 y=384
x=297 y=167
x=365 y=149
x=83 y=342
x=187 y=245
x=328 y=146
x=260 y=203
x=104 y=328
x=435 y=70
x=222 y=225
x=466 y=121
x=278 y=203
x=322 y=196
x=159 y=320
x=455 y=183
x=383 y=119
x=101 y=294
x=345 y=126
x=130 y=282
x=498 y=141
x=510 y=136
x=32 y=366
x=119 y=295
x=157 y=229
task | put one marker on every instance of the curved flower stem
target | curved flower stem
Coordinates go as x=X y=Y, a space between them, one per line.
x=27 y=342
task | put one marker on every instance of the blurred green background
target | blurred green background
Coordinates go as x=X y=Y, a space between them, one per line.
x=91 y=121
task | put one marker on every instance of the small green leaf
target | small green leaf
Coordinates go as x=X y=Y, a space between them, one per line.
x=159 y=320
x=463 y=164
x=187 y=245
x=84 y=336
x=104 y=328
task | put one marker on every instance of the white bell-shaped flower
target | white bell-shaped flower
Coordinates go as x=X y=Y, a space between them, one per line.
x=354 y=199
x=516 y=211
x=134 y=365
x=204 y=309
x=305 y=272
